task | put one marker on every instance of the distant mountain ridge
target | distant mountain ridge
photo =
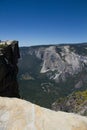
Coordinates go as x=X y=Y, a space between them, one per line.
x=52 y=71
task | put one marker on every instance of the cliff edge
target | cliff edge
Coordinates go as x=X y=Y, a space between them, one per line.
x=9 y=54
x=17 y=114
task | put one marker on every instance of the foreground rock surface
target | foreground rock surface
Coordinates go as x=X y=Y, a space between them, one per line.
x=16 y=114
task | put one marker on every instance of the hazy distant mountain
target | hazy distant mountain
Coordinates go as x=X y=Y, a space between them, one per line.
x=47 y=73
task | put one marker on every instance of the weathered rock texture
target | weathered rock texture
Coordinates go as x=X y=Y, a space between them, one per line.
x=16 y=114
x=9 y=54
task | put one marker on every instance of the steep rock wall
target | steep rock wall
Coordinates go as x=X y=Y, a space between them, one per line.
x=9 y=54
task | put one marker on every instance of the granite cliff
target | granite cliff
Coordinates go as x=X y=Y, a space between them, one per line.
x=63 y=60
x=9 y=54
x=16 y=114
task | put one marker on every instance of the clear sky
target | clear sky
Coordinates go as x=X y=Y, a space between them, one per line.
x=35 y=22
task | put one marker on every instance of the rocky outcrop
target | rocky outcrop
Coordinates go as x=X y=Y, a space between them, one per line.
x=62 y=60
x=9 y=54
x=16 y=114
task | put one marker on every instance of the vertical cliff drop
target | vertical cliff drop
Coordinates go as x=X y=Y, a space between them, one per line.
x=9 y=55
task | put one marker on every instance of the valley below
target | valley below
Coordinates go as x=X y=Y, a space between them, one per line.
x=55 y=76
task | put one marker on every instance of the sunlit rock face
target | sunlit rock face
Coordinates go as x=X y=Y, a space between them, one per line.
x=9 y=55
x=16 y=114
x=62 y=60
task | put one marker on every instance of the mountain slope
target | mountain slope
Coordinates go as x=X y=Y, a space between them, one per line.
x=49 y=72
x=75 y=102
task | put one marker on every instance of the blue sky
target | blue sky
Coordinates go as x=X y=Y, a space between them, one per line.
x=35 y=22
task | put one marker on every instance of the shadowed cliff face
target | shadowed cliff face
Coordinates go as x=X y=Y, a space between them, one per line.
x=9 y=54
